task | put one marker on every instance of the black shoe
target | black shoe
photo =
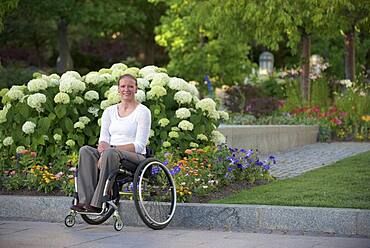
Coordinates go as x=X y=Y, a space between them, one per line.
x=79 y=207
x=92 y=209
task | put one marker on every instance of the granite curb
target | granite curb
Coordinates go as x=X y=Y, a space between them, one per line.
x=228 y=217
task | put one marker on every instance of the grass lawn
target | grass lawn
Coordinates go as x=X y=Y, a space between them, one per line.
x=345 y=184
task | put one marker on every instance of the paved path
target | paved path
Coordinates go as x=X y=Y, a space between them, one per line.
x=41 y=234
x=309 y=157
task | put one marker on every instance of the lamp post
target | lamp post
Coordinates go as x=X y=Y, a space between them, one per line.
x=266 y=63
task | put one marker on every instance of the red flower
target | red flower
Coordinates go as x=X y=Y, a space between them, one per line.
x=336 y=121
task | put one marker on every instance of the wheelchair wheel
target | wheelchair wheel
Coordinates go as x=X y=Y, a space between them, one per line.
x=154 y=194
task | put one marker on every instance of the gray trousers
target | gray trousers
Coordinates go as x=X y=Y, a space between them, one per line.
x=91 y=180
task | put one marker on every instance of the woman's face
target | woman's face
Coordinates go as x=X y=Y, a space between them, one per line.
x=127 y=88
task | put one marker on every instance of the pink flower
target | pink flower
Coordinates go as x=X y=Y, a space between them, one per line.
x=336 y=121
x=59 y=174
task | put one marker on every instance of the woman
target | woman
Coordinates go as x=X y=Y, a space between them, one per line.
x=124 y=134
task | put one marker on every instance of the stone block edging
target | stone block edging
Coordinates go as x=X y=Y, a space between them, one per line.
x=208 y=216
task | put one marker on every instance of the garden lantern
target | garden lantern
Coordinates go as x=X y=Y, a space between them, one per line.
x=266 y=62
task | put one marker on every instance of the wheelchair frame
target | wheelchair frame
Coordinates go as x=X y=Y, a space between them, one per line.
x=111 y=196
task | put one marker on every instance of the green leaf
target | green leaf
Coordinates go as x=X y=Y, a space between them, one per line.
x=68 y=125
x=44 y=124
x=60 y=111
x=80 y=140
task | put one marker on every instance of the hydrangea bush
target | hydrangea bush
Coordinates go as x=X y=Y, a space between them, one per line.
x=53 y=113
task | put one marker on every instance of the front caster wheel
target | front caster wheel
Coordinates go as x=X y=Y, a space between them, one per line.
x=69 y=221
x=118 y=224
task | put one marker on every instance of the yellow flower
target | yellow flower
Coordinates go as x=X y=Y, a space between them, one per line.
x=365 y=118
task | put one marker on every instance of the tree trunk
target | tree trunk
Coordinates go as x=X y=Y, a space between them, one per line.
x=64 y=61
x=305 y=65
x=349 y=43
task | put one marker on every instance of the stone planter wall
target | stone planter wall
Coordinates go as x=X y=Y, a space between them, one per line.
x=269 y=138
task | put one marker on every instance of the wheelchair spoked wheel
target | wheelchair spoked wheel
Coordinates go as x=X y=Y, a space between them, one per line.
x=154 y=194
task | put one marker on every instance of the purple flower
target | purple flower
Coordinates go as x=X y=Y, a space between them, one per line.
x=176 y=169
x=243 y=150
x=155 y=170
x=165 y=163
x=259 y=163
x=266 y=167
x=229 y=169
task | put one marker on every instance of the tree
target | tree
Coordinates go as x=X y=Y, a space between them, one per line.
x=5 y=7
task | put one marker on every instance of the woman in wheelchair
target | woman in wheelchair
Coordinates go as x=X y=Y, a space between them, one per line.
x=121 y=158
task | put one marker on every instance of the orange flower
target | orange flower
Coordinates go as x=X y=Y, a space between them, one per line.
x=188 y=151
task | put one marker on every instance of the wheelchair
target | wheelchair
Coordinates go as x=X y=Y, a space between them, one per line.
x=151 y=187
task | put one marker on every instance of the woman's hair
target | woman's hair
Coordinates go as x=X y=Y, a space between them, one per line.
x=127 y=76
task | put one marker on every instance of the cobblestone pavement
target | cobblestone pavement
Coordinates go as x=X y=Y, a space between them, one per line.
x=313 y=156
x=28 y=234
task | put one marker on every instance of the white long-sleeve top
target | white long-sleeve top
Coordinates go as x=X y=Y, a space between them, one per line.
x=131 y=129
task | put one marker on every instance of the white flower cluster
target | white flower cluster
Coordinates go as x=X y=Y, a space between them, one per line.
x=93 y=77
x=183 y=97
x=118 y=66
x=84 y=119
x=140 y=96
x=160 y=79
x=182 y=113
x=218 y=138
x=346 y=82
x=78 y=100
x=202 y=137
x=15 y=93
x=52 y=80
x=37 y=84
x=57 y=137
x=173 y=135
x=62 y=98
x=142 y=83
x=166 y=144
x=145 y=71
x=8 y=141
x=36 y=100
x=94 y=111
x=91 y=95
x=193 y=144
x=28 y=127
x=178 y=84
x=79 y=125
x=192 y=89
x=4 y=112
x=112 y=96
x=208 y=106
x=70 y=143
x=156 y=92
x=163 y=122
x=186 y=125
x=223 y=115
x=70 y=82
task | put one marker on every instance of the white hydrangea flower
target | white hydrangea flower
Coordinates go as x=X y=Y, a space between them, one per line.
x=202 y=137
x=186 y=125
x=182 y=97
x=19 y=149
x=147 y=70
x=28 y=127
x=35 y=101
x=4 y=112
x=107 y=77
x=214 y=115
x=163 y=122
x=140 y=96
x=105 y=71
x=115 y=74
x=78 y=100
x=92 y=77
x=70 y=84
x=142 y=83
x=8 y=141
x=62 y=98
x=176 y=129
x=37 y=84
x=151 y=133
x=114 y=97
x=15 y=93
x=79 y=125
x=118 y=66
x=193 y=144
x=195 y=99
x=224 y=115
x=160 y=79
x=73 y=74
x=182 y=113
x=99 y=122
x=54 y=79
x=94 y=111
x=173 y=134
x=105 y=104
x=57 y=137
x=217 y=138
x=192 y=89
x=134 y=71
x=150 y=76
x=166 y=144
x=346 y=82
x=70 y=143
x=84 y=119
x=206 y=104
x=156 y=92
x=91 y=95
x=178 y=84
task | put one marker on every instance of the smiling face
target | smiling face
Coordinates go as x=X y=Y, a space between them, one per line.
x=127 y=88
